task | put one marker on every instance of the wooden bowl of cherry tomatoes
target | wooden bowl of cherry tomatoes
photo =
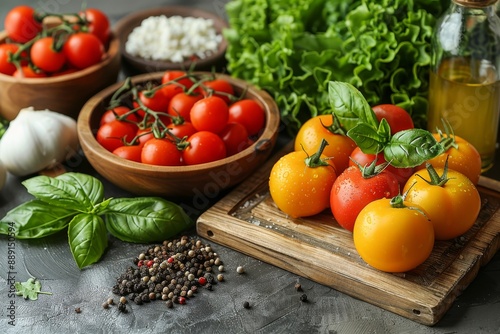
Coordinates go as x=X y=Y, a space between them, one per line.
x=178 y=134
x=61 y=81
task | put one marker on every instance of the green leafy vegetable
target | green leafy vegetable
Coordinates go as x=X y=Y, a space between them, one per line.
x=407 y=148
x=293 y=48
x=76 y=201
x=30 y=289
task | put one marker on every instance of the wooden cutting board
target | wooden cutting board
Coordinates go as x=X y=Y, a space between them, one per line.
x=317 y=248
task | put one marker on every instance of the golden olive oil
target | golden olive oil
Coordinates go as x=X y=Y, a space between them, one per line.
x=467 y=94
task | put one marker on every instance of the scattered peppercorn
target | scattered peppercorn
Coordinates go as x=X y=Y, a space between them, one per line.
x=110 y=301
x=240 y=270
x=303 y=297
x=246 y=305
x=298 y=287
x=172 y=272
x=122 y=307
x=105 y=305
x=78 y=310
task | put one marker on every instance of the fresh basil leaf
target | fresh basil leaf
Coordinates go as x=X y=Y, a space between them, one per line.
x=87 y=238
x=58 y=192
x=30 y=289
x=367 y=138
x=36 y=219
x=410 y=148
x=350 y=106
x=145 y=219
x=92 y=188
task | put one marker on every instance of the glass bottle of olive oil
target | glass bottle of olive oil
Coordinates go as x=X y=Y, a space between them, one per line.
x=464 y=84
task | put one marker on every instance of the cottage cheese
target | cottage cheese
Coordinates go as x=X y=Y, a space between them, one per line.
x=173 y=39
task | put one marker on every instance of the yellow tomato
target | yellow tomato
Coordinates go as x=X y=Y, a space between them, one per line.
x=319 y=127
x=462 y=157
x=452 y=207
x=298 y=189
x=393 y=238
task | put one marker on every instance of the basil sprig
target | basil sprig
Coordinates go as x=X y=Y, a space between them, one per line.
x=76 y=201
x=407 y=148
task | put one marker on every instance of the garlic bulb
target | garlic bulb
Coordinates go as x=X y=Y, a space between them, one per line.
x=36 y=140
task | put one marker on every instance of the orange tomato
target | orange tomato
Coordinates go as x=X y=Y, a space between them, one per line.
x=317 y=128
x=393 y=238
x=299 y=189
x=462 y=157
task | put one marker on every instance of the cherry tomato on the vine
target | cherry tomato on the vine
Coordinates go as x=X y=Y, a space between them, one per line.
x=249 y=113
x=83 y=50
x=99 y=24
x=175 y=82
x=398 y=118
x=157 y=101
x=393 y=237
x=184 y=129
x=315 y=129
x=143 y=135
x=129 y=152
x=235 y=137
x=21 y=25
x=44 y=56
x=210 y=114
x=180 y=104
x=28 y=72
x=352 y=191
x=112 y=114
x=204 y=146
x=161 y=152
x=219 y=87
x=358 y=156
x=113 y=134
x=6 y=49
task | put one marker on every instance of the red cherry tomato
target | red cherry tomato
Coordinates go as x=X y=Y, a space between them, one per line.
x=143 y=135
x=83 y=50
x=180 y=105
x=129 y=152
x=99 y=24
x=158 y=101
x=185 y=129
x=28 y=72
x=398 y=118
x=364 y=159
x=210 y=114
x=249 y=113
x=21 y=25
x=220 y=88
x=161 y=152
x=113 y=134
x=44 y=56
x=175 y=82
x=6 y=49
x=204 y=146
x=235 y=137
x=351 y=192
x=112 y=114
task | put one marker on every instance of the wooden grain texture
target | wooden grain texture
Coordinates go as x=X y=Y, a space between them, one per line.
x=317 y=248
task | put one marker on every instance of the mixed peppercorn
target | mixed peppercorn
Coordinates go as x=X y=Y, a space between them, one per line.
x=172 y=272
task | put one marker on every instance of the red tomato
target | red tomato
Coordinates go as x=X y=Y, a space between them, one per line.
x=175 y=82
x=21 y=25
x=98 y=24
x=143 y=135
x=129 y=152
x=113 y=134
x=44 y=56
x=351 y=192
x=156 y=102
x=364 y=159
x=249 y=113
x=113 y=114
x=6 y=49
x=83 y=50
x=180 y=105
x=235 y=137
x=219 y=87
x=185 y=129
x=28 y=72
x=210 y=114
x=204 y=146
x=161 y=152
x=398 y=118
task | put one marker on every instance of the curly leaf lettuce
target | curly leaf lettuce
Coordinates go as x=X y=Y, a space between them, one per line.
x=293 y=48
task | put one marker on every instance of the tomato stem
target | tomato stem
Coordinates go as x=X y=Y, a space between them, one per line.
x=315 y=160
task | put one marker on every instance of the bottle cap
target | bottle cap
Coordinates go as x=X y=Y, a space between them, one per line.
x=475 y=3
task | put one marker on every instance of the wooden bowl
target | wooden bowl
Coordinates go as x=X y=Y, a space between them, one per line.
x=201 y=182
x=140 y=65
x=65 y=94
